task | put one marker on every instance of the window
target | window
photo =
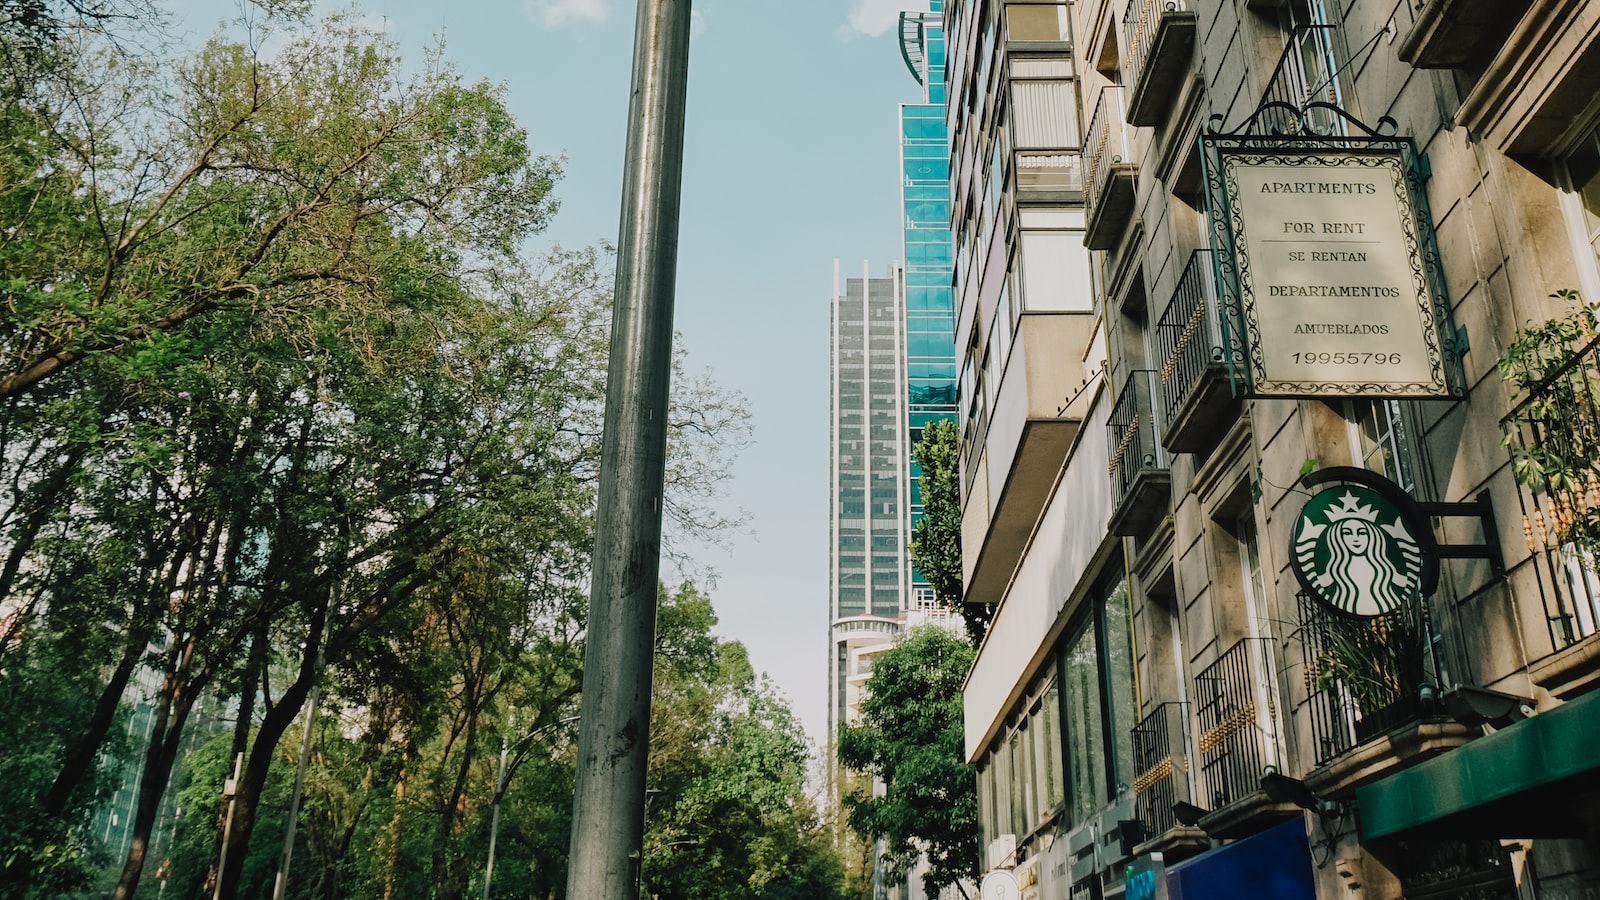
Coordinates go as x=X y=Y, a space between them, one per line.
x=1583 y=209
x=1099 y=706
x=1054 y=264
x=1378 y=439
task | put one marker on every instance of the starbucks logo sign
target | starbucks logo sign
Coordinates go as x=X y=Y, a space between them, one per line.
x=1358 y=550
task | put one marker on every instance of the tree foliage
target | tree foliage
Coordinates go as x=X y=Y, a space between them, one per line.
x=284 y=403
x=936 y=540
x=910 y=739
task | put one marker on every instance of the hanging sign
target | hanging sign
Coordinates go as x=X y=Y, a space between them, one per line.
x=1363 y=549
x=1332 y=282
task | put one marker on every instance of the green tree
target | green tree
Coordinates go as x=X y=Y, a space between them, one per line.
x=936 y=540
x=910 y=738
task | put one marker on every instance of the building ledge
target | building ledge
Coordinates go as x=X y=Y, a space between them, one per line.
x=1112 y=207
x=1451 y=33
x=1569 y=672
x=1249 y=814
x=1400 y=748
x=1176 y=844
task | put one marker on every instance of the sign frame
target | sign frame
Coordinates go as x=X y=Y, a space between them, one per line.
x=1335 y=356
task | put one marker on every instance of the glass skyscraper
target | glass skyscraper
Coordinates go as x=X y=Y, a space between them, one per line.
x=929 y=294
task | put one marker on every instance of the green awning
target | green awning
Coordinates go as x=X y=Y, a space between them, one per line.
x=1537 y=778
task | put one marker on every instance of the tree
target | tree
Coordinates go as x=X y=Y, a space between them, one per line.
x=936 y=540
x=910 y=738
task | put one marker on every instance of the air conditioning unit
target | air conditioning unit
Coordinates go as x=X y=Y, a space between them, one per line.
x=1003 y=851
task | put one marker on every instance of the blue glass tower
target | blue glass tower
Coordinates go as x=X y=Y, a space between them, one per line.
x=926 y=247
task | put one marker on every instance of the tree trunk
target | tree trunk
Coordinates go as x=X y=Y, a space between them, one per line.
x=259 y=761
x=172 y=713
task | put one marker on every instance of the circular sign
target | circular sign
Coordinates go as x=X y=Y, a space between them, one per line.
x=1000 y=884
x=1357 y=550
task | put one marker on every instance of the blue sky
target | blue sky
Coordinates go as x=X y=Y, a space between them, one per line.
x=790 y=160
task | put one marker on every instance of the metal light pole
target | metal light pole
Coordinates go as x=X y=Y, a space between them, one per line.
x=614 y=737
x=502 y=780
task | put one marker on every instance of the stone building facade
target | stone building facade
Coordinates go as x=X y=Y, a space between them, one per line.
x=1163 y=705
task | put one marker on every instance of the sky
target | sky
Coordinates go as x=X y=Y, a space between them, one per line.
x=791 y=160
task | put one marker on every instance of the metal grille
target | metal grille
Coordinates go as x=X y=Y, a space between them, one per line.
x=1363 y=675
x=1189 y=335
x=1134 y=444
x=1238 y=723
x=1554 y=439
x=1161 y=757
x=1108 y=142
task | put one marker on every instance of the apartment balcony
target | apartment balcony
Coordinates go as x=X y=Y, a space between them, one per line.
x=1161 y=757
x=1201 y=375
x=1037 y=412
x=1372 y=702
x=1448 y=34
x=1109 y=172
x=1141 y=483
x=1237 y=713
x=1158 y=38
x=1555 y=438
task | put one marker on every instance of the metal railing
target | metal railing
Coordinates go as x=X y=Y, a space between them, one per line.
x=1161 y=757
x=1306 y=73
x=1364 y=676
x=1135 y=441
x=1139 y=24
x=1189 y=336
x=1238 y=718
x=1553 y=436
x=1108 y=143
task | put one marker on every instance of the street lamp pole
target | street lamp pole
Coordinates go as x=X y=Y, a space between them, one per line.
x=614 y=737
x=502 y=780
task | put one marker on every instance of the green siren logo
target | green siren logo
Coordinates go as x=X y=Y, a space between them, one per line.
x=1354 y=550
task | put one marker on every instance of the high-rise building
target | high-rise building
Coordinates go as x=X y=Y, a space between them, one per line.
x=868 y=523
x=1281 y=452
x=926 y=248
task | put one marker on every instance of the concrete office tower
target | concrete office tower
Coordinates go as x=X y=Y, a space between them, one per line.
x=869 y=574
x=1313 y=258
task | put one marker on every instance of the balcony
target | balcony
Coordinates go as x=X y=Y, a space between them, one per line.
x=1554 y=440
x=1238 y=739
x=1047 y=160
x=1037 y=411
x=1198 y=386
x=1161 y=757
x=1305 y=73
x=1158 y=38
x=1369 y=712
x=1141 y=485
x=1449 y=34
x=1108 y=172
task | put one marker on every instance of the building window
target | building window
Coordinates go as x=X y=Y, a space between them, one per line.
x=1099 y=706
x=1378 y=439
x=1583 y=209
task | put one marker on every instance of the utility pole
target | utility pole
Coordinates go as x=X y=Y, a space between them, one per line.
x=614 y=734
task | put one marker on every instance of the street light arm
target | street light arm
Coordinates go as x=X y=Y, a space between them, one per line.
x=523 y=746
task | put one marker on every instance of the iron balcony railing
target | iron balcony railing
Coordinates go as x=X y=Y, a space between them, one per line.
x=1189 y=337
x=1364 y=676
x=1161 y=757
x=1238 y=720
x=1108 y=145
x=1139 y=24
x=1135 y=441
x=1306 y=73
x=1553 y=436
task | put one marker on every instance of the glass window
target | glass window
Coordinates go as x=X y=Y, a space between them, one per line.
x=1085 y=736
x=1036 y=22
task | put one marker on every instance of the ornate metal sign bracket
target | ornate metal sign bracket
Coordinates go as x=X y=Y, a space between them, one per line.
x=1318 y=119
